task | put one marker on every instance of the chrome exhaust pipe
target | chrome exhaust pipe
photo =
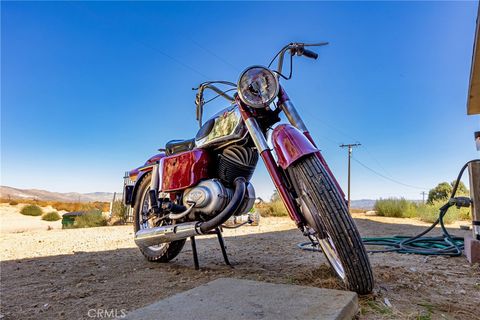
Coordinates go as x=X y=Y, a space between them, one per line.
x=164 y=234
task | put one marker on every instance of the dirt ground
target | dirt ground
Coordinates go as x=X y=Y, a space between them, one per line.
x=65 y=274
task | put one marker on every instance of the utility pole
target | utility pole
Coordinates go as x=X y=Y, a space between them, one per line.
x=349 y=146
x=423 y=193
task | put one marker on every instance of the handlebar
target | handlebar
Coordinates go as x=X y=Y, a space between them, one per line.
x=310 y=54
x=295 y=49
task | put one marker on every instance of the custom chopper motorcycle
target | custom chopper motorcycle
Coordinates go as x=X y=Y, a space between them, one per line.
x=194 y=186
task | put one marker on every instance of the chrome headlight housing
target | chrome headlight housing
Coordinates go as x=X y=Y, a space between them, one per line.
x=257 y=87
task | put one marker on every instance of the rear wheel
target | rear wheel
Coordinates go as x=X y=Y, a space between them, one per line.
x=331 y=224
x=163 y=252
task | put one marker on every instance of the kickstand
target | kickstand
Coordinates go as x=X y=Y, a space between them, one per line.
x=194 y=252
x=222 y=247
x=218 y=232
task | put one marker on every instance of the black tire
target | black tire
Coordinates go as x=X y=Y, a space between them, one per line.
x=164 y=252
x=332 y=223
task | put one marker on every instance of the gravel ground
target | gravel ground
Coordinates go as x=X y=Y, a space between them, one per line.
x=65 y=274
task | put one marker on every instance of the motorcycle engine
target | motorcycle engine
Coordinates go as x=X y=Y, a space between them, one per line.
x=210 y=197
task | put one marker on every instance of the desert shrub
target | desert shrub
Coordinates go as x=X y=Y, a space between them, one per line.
x=81 y=206
x=65 y=206
x=31 y=210
x=119 y=212
x=51 y=216
x=430 y=212
x=13 y=203
x=274 y=208
x=394 y=207
x=357 y=210
x=92 y=218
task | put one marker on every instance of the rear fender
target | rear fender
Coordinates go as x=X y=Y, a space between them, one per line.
x=139 y=174
x=290 y=145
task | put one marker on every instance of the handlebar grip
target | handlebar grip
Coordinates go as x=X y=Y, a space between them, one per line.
x=310 y=54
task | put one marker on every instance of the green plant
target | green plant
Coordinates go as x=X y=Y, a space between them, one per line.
x=441 y=192
x=119 y=211
x=51 y=216
x=92 y=218
x=31 y=210
x=393 y=207
x=430 y=212
x=13 y=203
x=272 y=209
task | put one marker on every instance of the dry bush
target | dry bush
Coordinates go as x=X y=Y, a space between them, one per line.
x=65 y=206
x=92 y=218
x=31 y=210
x=51 y=216
x=274 y=208
x=119 y=213
x=357 y=210
x=429 y=212
x=393 y=207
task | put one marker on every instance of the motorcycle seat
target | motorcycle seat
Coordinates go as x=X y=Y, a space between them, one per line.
x=177 y=146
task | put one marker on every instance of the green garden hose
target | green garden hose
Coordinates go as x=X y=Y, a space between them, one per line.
x=444 y=245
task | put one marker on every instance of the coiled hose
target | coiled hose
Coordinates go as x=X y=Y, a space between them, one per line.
x=444 y=245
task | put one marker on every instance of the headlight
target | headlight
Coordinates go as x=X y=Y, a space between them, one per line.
x=257 y=87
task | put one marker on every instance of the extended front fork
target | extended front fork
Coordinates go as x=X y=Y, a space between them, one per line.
x=276 y=173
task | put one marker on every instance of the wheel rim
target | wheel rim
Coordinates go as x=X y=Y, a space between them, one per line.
x=330 y=252
x=142 y=224
x=328 y=248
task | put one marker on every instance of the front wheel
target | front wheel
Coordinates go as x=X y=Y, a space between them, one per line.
x=331 y=224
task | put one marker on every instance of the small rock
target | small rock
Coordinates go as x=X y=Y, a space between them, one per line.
x=387 y=302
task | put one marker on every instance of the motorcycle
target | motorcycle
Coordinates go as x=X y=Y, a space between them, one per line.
x=194 y=186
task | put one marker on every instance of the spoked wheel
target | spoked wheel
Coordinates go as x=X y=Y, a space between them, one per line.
x=327 y=217
x=142 y=220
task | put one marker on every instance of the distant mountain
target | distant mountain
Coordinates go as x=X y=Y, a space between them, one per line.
x=366 y=204
x=14 y=193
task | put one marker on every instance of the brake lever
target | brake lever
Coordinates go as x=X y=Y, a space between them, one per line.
x=199 y=103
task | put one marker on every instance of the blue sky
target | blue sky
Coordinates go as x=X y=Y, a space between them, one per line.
x=92 y=89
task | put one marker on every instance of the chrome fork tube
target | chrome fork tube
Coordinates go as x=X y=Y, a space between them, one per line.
x=257 y=135
x=293 y=116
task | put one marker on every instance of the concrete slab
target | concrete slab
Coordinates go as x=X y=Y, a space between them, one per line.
x=235 y=299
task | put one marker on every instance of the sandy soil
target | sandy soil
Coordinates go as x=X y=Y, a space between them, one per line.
x=65 y=273
x=12 y=221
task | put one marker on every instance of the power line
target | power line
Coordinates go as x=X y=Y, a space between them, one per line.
x=196 y=43
x=386 y=177
x=347 y=135
x=134 y=39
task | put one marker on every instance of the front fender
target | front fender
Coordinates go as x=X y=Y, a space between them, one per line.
x=290 y=144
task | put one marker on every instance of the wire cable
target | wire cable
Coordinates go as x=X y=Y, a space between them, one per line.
x=386 y=177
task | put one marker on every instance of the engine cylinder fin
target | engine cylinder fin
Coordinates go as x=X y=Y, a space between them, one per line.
x=236 y=161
